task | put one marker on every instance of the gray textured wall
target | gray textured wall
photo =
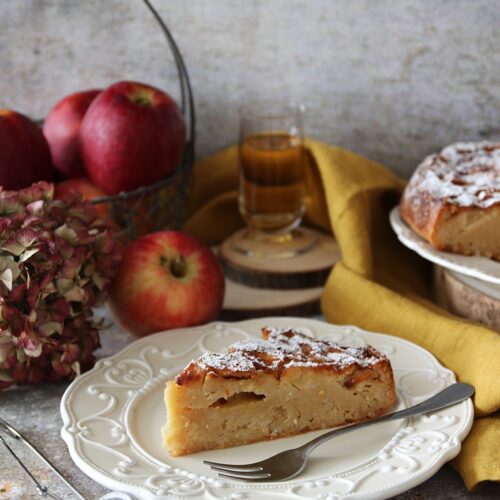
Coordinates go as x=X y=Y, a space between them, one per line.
x=393 y=80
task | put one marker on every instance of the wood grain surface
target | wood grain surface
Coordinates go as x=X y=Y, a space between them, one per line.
x=465 y=300
x=306 y=270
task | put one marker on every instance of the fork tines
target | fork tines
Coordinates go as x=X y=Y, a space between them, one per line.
x=249 y=472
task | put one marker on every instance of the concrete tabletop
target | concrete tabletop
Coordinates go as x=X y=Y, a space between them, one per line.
x=34 y=411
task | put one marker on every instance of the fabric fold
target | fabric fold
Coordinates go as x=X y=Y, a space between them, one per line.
x=379 y=285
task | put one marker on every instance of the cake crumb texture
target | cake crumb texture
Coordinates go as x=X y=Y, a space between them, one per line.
x=285 y=384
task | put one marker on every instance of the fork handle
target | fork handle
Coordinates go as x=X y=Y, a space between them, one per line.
x=453 y=394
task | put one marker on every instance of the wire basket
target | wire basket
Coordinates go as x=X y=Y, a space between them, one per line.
x=163 y=204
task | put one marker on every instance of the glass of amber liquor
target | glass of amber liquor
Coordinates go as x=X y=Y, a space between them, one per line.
x=272 y=180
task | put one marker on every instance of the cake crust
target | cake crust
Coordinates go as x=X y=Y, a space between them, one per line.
x=284 y=384
x=279 y=350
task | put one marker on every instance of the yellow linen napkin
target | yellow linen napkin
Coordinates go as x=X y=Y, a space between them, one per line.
x=379 y=285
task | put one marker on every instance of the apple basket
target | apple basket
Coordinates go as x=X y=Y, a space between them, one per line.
x=163 y=204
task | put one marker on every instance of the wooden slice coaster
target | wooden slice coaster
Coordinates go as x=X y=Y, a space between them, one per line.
x=306 y=270
x=242 y=301
x=468 y=297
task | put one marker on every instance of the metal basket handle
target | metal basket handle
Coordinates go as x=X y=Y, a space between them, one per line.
x=184 y=82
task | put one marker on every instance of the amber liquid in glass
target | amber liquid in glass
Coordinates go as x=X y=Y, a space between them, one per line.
x=272 y=184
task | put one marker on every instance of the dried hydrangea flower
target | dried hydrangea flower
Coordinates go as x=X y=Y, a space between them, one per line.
x=57 y=260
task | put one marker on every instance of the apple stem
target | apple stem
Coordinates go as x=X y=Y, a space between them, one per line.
x=142 y=101
x=178 y=266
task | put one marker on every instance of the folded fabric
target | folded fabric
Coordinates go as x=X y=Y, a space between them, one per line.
x=379 y=285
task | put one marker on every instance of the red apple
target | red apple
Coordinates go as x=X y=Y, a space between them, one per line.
x=166 y=280
x=132 y=135
x=24 y=152
x=62 y=130
x=88 y=191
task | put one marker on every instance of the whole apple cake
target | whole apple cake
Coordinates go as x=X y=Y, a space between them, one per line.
x=285 y=384
x=453 y=199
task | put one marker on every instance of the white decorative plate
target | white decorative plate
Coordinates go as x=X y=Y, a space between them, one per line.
x=477 y=267
x=112 y=417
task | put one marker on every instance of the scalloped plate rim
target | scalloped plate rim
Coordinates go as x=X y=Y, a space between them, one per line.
x=473 y=266
x=112 y=483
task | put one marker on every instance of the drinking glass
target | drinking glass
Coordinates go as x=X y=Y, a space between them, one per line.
x=272 y=161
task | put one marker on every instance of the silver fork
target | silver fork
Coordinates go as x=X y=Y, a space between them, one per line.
x=289 y=463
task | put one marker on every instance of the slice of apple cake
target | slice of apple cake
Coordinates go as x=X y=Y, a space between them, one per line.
x=285 y=384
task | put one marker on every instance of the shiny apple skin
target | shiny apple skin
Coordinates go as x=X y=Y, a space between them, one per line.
x=24 y=152
x=147 y=297
x=132 y=135
x=62 y=131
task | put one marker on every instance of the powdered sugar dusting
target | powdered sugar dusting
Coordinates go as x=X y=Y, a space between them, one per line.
x=465 y=174
x=223 y=361
x=282 y=348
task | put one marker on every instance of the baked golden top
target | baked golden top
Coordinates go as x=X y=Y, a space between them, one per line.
x=465 y=174
x=280 y=349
